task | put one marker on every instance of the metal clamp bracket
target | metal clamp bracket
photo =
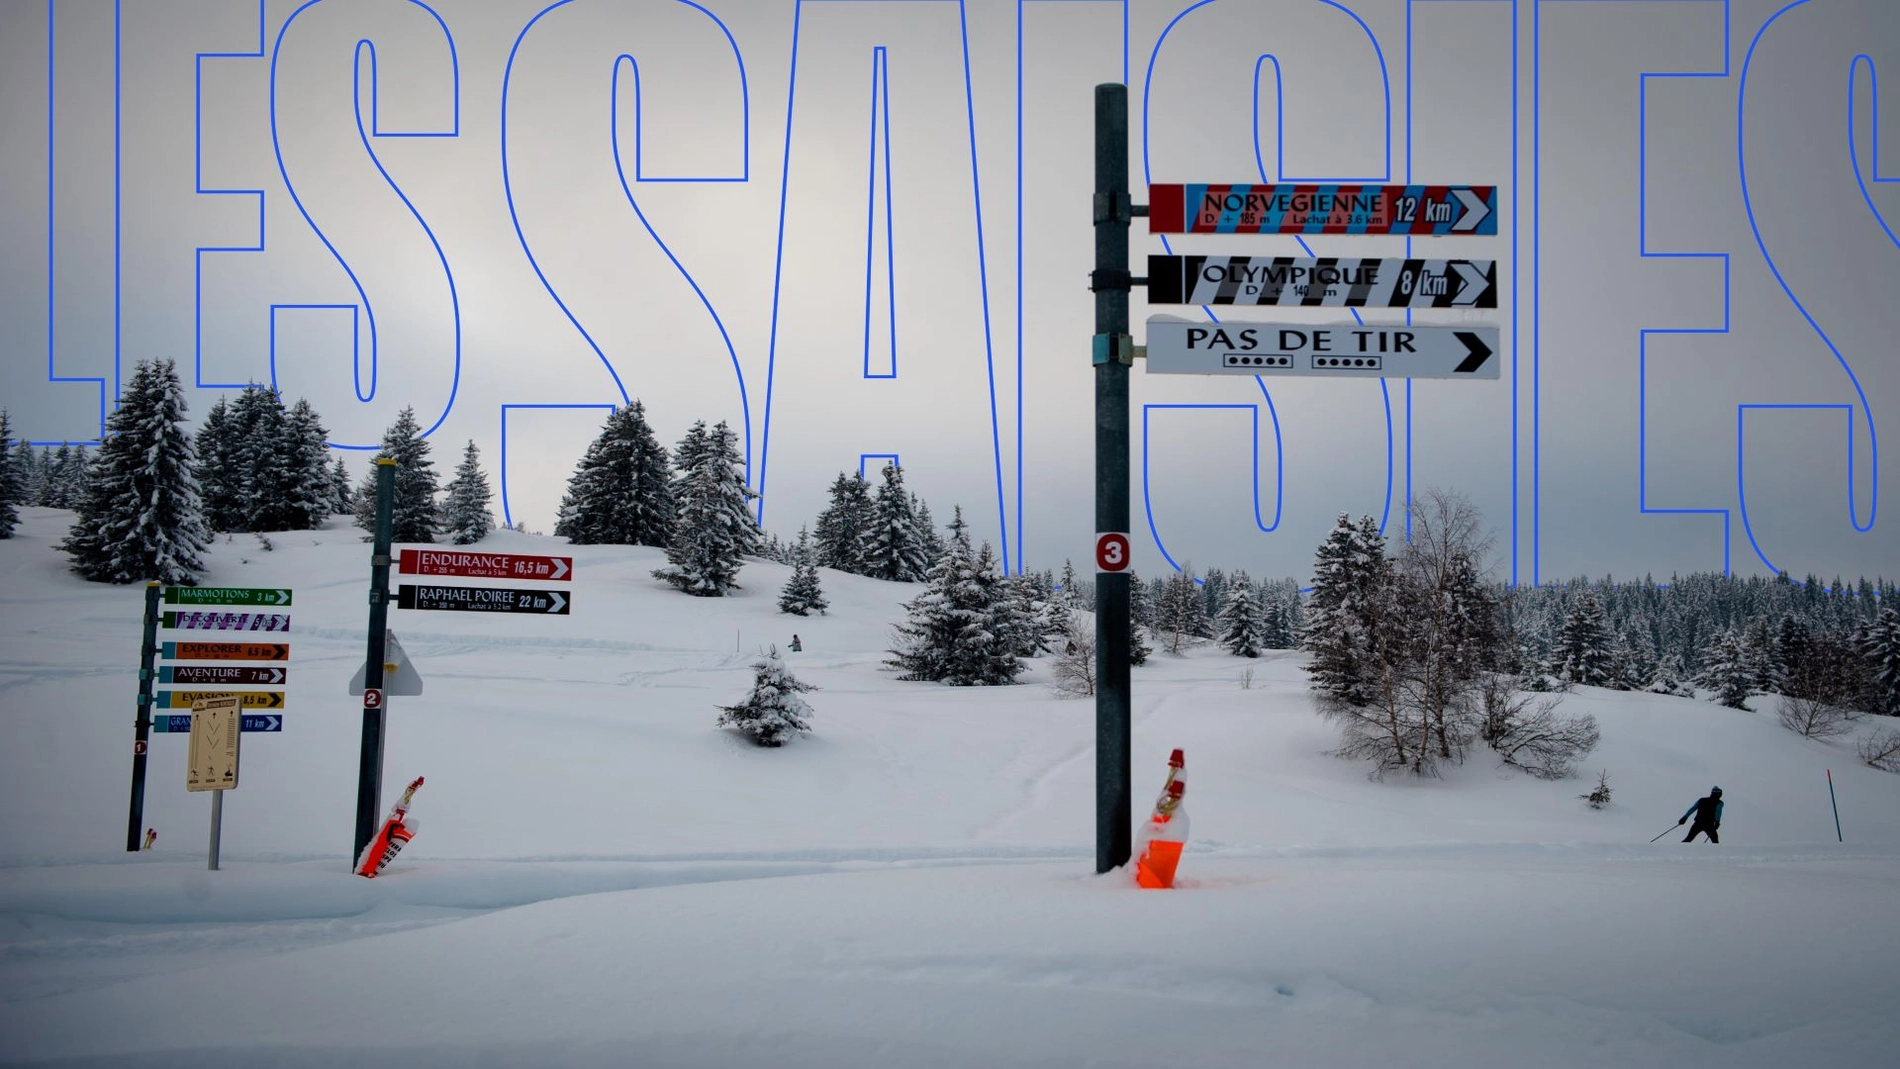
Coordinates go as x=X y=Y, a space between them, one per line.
x=1112 y=348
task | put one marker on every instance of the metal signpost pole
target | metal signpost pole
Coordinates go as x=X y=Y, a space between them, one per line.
x=369 y=770
x=148 y=650
x=1112 y=352
x=217 y=825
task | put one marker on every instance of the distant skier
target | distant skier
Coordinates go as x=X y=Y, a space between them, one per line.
x=797 y=646
x=1708 y=816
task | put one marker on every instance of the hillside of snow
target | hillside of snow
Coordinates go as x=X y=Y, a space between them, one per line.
x=604 y=877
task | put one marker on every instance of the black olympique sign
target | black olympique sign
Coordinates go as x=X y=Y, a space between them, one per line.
x=482 y=599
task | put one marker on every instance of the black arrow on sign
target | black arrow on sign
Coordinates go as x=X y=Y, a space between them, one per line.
x=1480 y=352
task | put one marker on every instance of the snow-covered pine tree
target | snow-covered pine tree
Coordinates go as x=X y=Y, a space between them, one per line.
x=1880 y=649
x=801 y=595
x=1793 y=641
x=1242 y=630
x=309 y=490
x=894 y=545
x=957 y=630
x=413 y=514
x=1140 y=613
x=623 y=491
x=140 y=518
x=220 y=480
x=843 y=530
x=1668 y=677
x=1726 y=670
x=927 y=527
x=342 y=497
x=773 y=713
x=1583 y=653
x=261 y=453
x=66 y=478
x=465 y=516
x=26 y=467
x=1180 y=612
x=1022 y=616
x=1350 y=570
x=714 y=531
x=12 y=479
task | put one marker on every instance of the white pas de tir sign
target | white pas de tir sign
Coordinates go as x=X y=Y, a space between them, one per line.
x=1335 y=350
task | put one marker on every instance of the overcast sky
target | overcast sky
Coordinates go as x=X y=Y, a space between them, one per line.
x=860 y=229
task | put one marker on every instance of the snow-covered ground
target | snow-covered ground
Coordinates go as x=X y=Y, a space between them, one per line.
x=604 y=878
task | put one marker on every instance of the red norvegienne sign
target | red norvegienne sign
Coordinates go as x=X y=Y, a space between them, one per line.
x=484 y=565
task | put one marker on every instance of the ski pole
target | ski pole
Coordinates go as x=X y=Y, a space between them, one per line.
x=1666 y=831
x=1836 y=805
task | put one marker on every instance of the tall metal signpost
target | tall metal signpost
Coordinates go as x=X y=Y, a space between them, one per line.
x=1112 y=353
x=1179 y=346
x=369 y=769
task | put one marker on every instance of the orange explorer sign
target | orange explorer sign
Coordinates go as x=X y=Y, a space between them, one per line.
x=226 y=651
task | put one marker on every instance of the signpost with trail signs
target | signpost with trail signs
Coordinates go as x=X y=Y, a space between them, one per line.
x=1341 y=350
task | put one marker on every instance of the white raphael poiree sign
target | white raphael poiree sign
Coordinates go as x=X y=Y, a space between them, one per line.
x=1331 y=350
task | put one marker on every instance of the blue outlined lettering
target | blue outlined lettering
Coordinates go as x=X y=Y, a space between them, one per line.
x=405 y=333
x=1076 y=27
x=551 y=93
x=1832 y=253
x=809 y=293
x=1347 y=20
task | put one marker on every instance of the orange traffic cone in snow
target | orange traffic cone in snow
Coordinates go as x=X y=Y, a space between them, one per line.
x=1158 y=844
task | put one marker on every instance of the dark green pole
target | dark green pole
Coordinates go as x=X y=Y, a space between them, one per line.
x=1112 y=352
x=142 y=730
x=369 y=770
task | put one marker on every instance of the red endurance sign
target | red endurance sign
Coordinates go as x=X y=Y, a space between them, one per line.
x=484 y=565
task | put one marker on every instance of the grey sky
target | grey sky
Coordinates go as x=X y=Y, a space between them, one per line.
x=1562 y=461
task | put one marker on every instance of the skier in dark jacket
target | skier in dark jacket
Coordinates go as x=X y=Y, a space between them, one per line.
x=1708 y=816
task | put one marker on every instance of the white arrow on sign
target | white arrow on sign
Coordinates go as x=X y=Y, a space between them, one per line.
x=277 y=676
x=283 y=597
x=560 y=568
x=1471 y=282
x=560 y=600
x=1475 y=210
x=272 y=721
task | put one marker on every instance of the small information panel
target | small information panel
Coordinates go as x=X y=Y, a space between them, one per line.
x=215 y=730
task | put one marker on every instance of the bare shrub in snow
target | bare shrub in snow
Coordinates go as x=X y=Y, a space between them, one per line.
x=1073 y=670
x=1813 y=718
x=1599 y=795
x=1882 y=750
x=1527 y=732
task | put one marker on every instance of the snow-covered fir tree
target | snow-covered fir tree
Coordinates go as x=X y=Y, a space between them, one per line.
x=1350 y=573
x=1668 y=677
x=1180 y=611
x=894 y=547
x=1583 y=653
x=413 y=513
x=220 y=478
x=933 y=538
x=12 y=479
x=66 y=471
x=801 y=595
x=714 y=531
x=844 y=527
x=309 y=491
x=958 y=630
x=773 y=713
x=140 y=518
x=623 y=491
x=1793 y=642
x=465 y=515
x=260 y=451
x=1140 y=617
x=1242 y=629
x=26 y=468
x=342 y=496
x=1023 y=619
x=1879 y=647
x=1727 y=670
